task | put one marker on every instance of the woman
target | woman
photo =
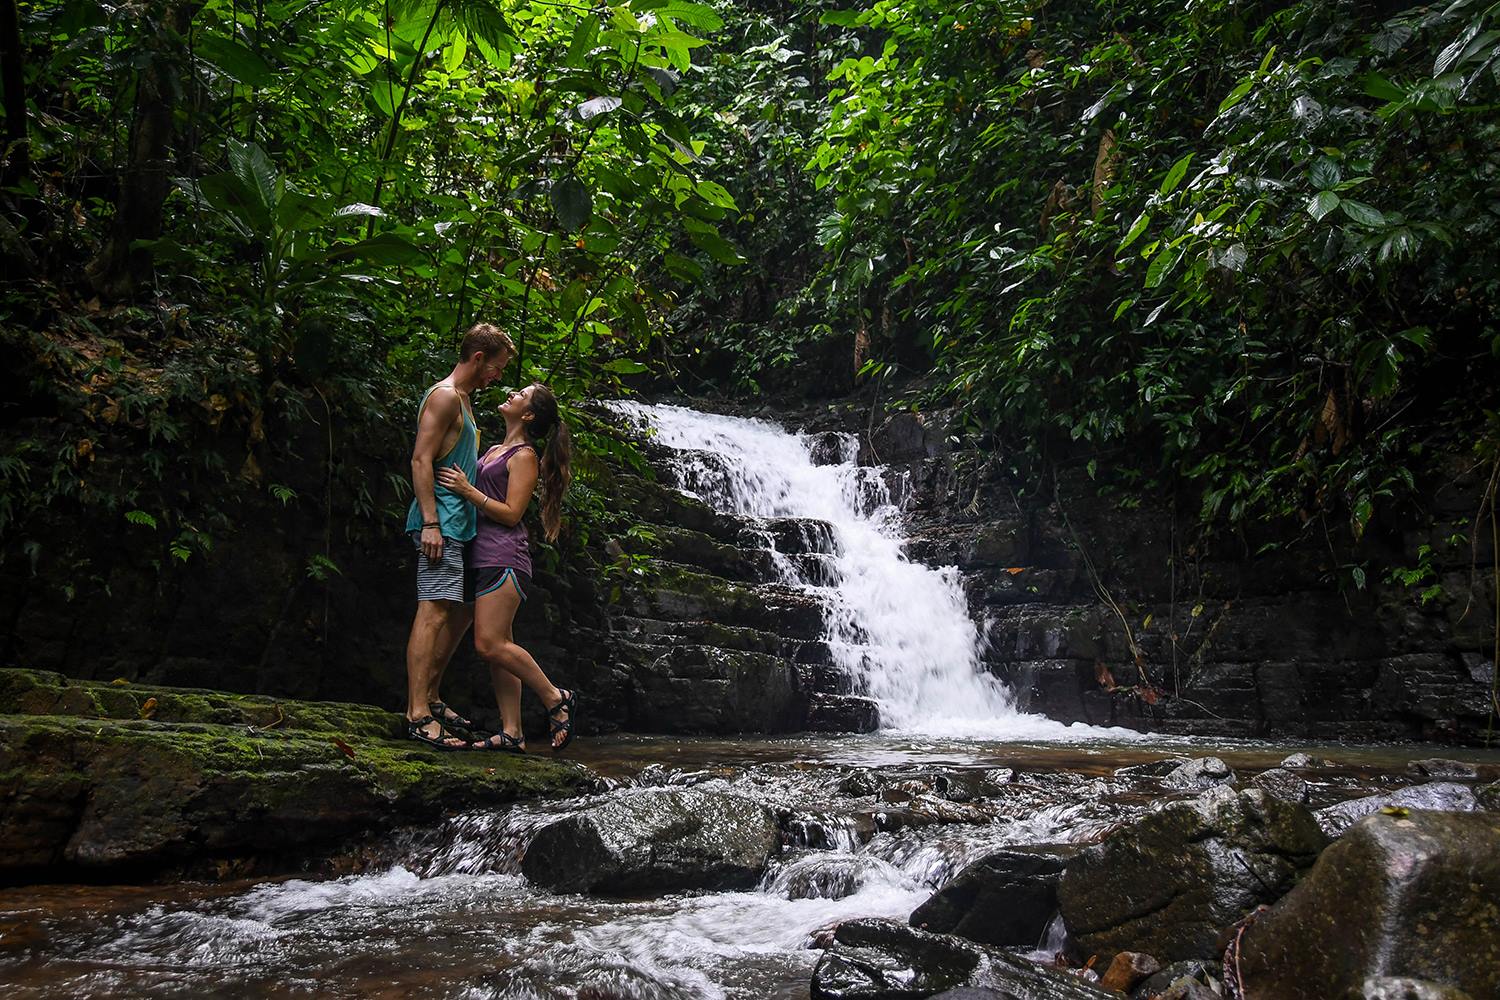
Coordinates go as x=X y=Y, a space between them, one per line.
x=500 y=559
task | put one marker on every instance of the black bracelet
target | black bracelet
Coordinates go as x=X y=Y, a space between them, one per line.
x=432 y=524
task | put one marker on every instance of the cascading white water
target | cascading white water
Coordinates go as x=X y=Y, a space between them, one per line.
x=901 y=629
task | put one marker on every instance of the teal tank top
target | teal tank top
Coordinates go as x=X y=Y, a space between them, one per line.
x=457 y=518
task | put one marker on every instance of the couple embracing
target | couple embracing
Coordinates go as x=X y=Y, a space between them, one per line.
x=473 y=561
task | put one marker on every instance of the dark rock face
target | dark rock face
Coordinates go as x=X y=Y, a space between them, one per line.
x=842 y=713
x=655 y=842
x=1005 y=898
x=1397 y=896
x=873 y=959
x=1447 y=795
x=1166 y=885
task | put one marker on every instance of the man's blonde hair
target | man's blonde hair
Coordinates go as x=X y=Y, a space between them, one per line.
x=486 y=337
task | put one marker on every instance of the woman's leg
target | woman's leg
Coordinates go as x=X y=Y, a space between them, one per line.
x=494 y=613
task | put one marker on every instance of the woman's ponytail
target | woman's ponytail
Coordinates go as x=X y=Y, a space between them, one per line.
x=557 y=456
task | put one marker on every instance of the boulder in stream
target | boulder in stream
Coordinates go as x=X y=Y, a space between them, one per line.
x=1166 y=884
x=655 y=841
x=1414 y=895
x=1284 y=785
x=878 y=959
x=1198 y=774
x=1004 y=898
x=1440 y=795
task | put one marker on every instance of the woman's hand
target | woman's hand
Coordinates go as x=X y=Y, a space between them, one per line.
x=452 y=478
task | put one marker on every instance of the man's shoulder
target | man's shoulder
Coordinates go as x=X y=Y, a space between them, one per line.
x=444 y=395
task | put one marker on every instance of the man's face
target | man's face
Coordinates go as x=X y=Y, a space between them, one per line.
x=493 y=367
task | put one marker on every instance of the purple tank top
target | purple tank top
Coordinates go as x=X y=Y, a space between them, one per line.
x=495 y=544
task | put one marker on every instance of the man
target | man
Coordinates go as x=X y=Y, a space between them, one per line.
x=440 y=523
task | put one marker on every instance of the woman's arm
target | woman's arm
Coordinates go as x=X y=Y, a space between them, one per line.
x=523 y=475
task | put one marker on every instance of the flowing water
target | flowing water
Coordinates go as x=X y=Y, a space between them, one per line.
x=900 y=629
x=872 y=824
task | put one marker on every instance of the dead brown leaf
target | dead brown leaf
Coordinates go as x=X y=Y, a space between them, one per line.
x=344 y=748
x=148 y=708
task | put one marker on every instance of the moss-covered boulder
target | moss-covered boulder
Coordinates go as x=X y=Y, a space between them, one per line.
x=1167 y=884
x=1408 y=894
x=96 y=790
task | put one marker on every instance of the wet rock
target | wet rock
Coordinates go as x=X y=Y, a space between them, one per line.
x=1302 y=761
x=859 y=783
x=1440 y=767
x=829 y=448
x=801 y=535
x=1167 y=883
x=1443 y=795
x=1199 y=774
x=842 y=713
x=1488 y=796
x=655 y=841
x=88 y=796
x=693 y=688
x=1188 y=989
x=1283 y=784
x=827 y=876
x=1126 y=970
x=1159 y=983
x=1005 y=898
x=877 y=959
x=1413 y=895
x=1401 y=988
x=1151 y=769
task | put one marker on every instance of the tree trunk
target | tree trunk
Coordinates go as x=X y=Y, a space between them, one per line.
x=122 y=269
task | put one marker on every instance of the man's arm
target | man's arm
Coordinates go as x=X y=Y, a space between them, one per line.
x=437 y=417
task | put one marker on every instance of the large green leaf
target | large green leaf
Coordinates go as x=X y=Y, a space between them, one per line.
x=233 y=199
x=256 y=171
x=234 y=60
x=572 y=203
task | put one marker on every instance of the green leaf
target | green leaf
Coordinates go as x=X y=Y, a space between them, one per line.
x=596 y=106
x=572 y=203
x=840 y=18
x=697 y=14
x=1175 y=175
x=1361 y=213
x=624 y=366
x=1237 y=94
x=715 y=246
x=140 y=517
x=230 y=197
x=1136 y=229
x=234 y=60
x=1322 y=203
x=1161 y=266
x=382 y=248
x=1379 y=87
x=253 y=167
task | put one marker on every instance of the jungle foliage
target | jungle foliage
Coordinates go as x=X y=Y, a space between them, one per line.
x=1243 y=250
x=240 y=235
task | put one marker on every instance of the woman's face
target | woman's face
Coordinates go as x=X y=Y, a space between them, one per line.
x=518 y=403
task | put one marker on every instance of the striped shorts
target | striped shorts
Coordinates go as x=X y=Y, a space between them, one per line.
x=444 y=580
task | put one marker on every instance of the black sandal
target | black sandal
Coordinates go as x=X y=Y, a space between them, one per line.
x=437 y=742
x=507 y=744
x=556 y=725
x=445 y=715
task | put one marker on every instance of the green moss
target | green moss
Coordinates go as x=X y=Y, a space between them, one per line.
x=33 y=692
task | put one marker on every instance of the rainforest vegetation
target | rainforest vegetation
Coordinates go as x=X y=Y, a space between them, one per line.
x=1245 y=253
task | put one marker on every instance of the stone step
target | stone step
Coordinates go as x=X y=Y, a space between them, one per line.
x=705 y=689
x=680 y=593
x=688 y=547
x=798 y=535
x=842 y=713
x=656 y=631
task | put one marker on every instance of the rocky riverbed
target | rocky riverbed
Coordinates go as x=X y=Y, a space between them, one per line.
x=875 y=866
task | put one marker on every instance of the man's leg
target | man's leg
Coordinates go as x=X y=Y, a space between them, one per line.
x=456 y=621
x=428 y=628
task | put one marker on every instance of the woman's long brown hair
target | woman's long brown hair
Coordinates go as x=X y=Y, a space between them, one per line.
x=557 y=455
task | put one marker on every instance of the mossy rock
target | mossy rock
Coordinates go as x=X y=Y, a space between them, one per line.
x=39 y=692
x=106 y=795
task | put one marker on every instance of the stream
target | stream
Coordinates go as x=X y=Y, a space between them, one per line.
x=443 y=911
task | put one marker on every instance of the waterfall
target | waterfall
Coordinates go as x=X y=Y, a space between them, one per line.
x=899 y=629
